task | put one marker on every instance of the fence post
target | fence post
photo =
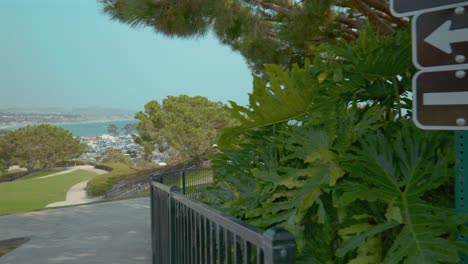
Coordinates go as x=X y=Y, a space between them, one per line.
x=172 y=223
x=157 y=178
x=279 y=246
x=184 y=182
x=153 y=224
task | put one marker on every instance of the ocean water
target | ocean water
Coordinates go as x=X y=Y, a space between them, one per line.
x=94 y=129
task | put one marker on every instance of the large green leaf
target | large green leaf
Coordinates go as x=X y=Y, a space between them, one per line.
x=287 y=95
x=398 y=171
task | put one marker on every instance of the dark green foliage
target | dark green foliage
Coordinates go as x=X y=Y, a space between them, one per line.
x=117 y=172
x=343 y=168
x=398 y=170
x=111 y=155
x=5 y=153
x=187 y=125
x=39 y=146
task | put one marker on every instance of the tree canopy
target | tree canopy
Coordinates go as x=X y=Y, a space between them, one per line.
x=5 y=153
x=111 y=155
x=39 y=146
x=113 y=130
x=186 y=124
x=274 y=31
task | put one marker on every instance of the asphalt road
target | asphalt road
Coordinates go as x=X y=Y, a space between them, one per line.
x=114 y=233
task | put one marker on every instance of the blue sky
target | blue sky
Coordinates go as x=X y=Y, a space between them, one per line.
x=66 y=53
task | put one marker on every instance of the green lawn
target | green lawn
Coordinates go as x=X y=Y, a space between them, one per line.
x=39 y=174
x=33 y=194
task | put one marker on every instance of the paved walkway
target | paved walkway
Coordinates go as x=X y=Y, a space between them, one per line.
x=75 y=168
x=114 y=233
x=76 y=195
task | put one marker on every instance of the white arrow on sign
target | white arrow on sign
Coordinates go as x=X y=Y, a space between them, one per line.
x=442 y=37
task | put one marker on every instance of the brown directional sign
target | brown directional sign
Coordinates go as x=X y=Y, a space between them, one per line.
x=441 y=99
x=401 y=8
x=440 y=38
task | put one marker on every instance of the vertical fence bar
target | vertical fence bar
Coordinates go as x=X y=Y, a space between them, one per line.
x=196 y=238
x=190 y=235
x=237 y=250
x=186 y=231
x=180 y=237
x=228 y=243
x=213 y=243
x=206 y=235
x=176 y=232
x=220 y=238
x=247 y=252
x=279 y=246
x=153 y=221
x=259 y=255
x=184 y=184
x=204 y=241
x=172 y=225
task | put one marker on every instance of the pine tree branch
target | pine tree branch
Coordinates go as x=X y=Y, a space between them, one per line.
x=274 y=7
x=350 y=32
x=400 y=22
x=353 y=23
x=386 y=14
x=377 y=5
x=373 y=17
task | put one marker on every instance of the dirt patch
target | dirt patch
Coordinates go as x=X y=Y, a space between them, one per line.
x=11 y=244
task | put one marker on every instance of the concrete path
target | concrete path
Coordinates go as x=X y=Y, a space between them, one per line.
x=114 y=233
x=75 y=168
x=76 y=195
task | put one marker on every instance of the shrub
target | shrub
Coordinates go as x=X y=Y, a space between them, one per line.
x=117 y=172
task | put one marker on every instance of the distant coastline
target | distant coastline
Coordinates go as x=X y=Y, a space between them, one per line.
x=16 y=118
x=94 y=129
x=12 y=127
x=96 y=121
x=79 y=128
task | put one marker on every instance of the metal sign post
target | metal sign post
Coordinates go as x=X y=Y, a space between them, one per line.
x=402 y=8
x=440 y=90
x=461 y=179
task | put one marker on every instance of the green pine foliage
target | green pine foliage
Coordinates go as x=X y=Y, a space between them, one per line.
x=184 y=124
x=40 y=146
x=264 y=32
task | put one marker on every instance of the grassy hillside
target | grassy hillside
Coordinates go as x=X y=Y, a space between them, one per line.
x=34 y=193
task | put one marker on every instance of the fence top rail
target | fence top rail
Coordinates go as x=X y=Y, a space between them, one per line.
x=236 y=226
x=180 y=170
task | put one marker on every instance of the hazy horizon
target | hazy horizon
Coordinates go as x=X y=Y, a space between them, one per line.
x=66 y=53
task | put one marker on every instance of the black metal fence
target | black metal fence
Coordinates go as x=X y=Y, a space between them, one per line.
x=185 y=231
x=191 y=182
x=135 y=184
